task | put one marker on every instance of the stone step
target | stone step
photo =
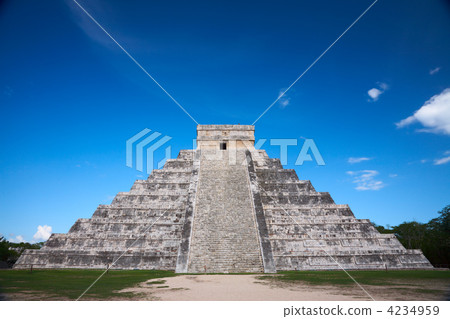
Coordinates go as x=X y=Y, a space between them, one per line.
x=225 y=238
x=145 y=223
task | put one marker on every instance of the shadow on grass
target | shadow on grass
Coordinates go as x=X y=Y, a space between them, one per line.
x=68 y=284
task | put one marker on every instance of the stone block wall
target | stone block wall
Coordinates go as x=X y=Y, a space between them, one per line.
x=308 y=231
x=144 y=224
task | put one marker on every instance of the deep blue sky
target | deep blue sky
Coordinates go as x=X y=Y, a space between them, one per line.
x=70 y=98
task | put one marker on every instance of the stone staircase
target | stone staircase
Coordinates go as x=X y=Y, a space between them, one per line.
x=225 y=237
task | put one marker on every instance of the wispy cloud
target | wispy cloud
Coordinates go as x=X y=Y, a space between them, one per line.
x=106 y=14
x=43 y=233
x=434 y=115
x=365 y=180
x=85 y=23
x=375 y=92
x=354 y=160
x=17 y=239
x=443 y=160
x=435 y=70
x=284 y=100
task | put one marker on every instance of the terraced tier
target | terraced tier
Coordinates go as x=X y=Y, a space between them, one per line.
x=308 y=231
x=144 y=224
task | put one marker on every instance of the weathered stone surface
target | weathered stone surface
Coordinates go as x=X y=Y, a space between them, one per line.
x=145 y=224
x=225 y=238
x=185 y=244
x=308 y=231
x=233 y=210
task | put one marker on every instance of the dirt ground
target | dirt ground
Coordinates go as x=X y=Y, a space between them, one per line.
x=250 y=288
x=255 y=288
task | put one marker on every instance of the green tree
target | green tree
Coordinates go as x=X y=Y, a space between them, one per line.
x=10 y=252
x=411 y=234
x=6 y=254
x=433 y=238
x=4 y=249
x=382 y=229
x=438 y=243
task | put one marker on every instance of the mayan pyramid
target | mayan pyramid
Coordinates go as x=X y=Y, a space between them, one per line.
x=223 y=207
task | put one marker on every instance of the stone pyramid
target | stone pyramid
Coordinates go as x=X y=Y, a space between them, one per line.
x=224 y=207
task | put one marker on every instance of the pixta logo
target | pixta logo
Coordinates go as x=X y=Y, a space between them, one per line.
x=308 y=148
x=146 y=143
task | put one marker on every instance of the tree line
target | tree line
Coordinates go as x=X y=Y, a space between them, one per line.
x=433 y=238
x=10 y=252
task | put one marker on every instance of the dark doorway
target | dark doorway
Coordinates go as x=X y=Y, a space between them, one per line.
x=223 y=146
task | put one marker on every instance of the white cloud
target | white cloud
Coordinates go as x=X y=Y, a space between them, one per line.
x=365 y=180
x=393 y=175
x=284 y=100
x=284 y=103
x=405 y=122
x=43 y=233
x=383 y=86
x=443 y=160
x=375 y=93
x=354 y=160
x=434 y=115
x=435 y=70
x=17 y=239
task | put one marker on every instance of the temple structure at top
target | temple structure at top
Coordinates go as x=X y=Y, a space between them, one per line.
x=223 y=137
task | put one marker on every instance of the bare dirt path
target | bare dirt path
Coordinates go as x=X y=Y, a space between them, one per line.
x=235 y=287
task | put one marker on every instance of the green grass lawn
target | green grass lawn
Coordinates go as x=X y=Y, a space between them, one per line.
x=70 y=283
x=378 y=278
x=406 y=284
x=52 y=284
